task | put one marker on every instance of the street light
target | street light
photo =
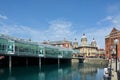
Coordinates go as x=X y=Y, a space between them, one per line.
x=116 y=42
x=111 y=49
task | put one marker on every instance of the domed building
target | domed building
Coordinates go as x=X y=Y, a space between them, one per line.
x=85 y=49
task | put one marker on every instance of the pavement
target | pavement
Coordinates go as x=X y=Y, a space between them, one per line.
x=118 y=75
x=114 y=73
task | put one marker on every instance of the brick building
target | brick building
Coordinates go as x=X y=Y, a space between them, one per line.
x=109 y=43
x=62 y=43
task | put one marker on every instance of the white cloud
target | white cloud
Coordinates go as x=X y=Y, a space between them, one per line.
x=3 y=17
x=116 y=20
x=60 y=29
x=57 y=30
x=99 y=35
x=108 y=18
x=20 y=31
x=114 y=14
x=111 y=20
x=114 y=8
x=108 y=22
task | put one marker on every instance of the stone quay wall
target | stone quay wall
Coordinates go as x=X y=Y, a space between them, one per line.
x=96 y=61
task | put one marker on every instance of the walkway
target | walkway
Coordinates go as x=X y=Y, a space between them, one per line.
x=114 y=73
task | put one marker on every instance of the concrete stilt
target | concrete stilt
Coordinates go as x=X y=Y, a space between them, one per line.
x=10 y=61
x=26 y=61
x=10 y=71
x=40 y=62
x=58 y=62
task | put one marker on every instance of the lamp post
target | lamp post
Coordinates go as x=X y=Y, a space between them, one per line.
x=116 y=41
x=111 y=48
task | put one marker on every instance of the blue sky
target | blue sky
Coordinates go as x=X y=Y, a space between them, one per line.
x=58 y=19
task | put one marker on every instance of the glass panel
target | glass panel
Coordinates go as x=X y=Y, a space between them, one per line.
x=3 y=45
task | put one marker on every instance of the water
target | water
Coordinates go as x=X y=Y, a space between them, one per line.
x=53 y=72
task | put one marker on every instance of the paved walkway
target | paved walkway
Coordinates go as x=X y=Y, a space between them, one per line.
x=118 y=75
x=114 y=73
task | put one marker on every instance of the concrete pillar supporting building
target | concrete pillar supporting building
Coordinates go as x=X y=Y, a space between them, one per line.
x=26 y=61
x=10 y=61
x=40 y=62
x=58 y=62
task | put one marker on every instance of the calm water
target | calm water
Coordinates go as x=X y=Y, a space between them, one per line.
x=53 y=72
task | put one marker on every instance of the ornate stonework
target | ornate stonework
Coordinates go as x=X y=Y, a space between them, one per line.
x=87 y=50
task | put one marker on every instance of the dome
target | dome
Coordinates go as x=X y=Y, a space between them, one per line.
x=83 y=36
x=83 y=40
x=93 y=43
x=75 y=43
x=93 y=40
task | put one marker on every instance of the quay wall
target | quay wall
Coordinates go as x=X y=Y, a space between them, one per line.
x=75 y=60
x=96 y=61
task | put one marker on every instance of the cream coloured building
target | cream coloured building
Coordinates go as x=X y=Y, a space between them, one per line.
x=85 y=49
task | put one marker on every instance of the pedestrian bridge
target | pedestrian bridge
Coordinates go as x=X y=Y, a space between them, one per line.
x=14 y=47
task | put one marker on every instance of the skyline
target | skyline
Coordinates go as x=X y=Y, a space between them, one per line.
x=58 y=19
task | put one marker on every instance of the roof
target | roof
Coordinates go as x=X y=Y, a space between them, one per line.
x=18 y=39
x=87 y=45
x=101 y=49
x=30 y=42
x=114 y=30
x=59 y=42
x=107 y=36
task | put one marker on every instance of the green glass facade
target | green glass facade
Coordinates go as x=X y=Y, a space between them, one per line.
x=3 y=45
x=21 y=47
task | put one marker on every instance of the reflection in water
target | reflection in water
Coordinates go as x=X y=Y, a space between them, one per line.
x=52 y=72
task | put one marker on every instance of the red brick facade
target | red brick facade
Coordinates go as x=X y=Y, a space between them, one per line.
x=109 y=43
